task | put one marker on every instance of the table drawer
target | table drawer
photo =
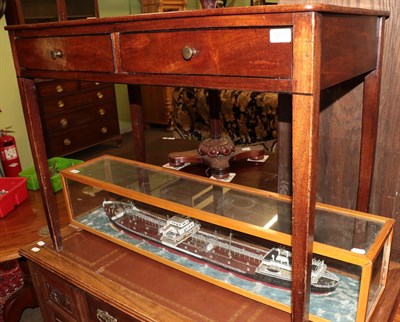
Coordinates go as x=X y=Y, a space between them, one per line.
x=100 y=311
x=67 y=103
x=91 y=114
x=83 y=53
x=81 y=137
x=232 y=52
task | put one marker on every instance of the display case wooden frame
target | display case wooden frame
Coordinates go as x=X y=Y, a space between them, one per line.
x=247 y=213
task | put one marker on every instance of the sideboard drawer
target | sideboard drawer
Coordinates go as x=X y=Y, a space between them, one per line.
x=100 y=311
x=56 y=87
x=67 y=103
x=67 y=53
x=73 y=140
x=230 y=52
x=80 y=117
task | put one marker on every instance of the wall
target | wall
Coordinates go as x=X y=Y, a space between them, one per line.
x=10 y=103
x=340 y=133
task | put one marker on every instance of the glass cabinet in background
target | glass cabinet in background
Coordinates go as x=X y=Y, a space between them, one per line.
x=36 y=11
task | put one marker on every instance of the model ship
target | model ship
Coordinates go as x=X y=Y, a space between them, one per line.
x=272 y=266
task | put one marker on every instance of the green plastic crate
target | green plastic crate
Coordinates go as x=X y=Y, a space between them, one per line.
x=55 y=165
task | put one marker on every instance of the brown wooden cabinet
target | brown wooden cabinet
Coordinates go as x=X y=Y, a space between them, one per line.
x=74 y=115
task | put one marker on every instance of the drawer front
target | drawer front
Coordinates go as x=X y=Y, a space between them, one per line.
x=242 y=52
x=92 y=114
x=57 y=87
x=70 y=102
x=83 y=137
x=100 y=311
x=66 y=53
x=60 y=298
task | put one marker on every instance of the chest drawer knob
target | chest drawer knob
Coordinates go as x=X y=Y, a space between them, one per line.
x=56 y=53
x=64 y=122
x=67 y=141
x=59 y=88
x=104 y=130
x=188 y=52
x=102 y=111
x=99 y=95
x=104 y=316
x=60 y=104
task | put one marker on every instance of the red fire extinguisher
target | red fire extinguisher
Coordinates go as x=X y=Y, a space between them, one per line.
x=9 y=155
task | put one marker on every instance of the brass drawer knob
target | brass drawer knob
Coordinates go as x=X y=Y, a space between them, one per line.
x=64 y=122
x=97 y=83
x=60 y=104
x=67 y=141
x=99 y=95
x=104 y=130
x=56 y=53
x=102 y=111
x=188 y=52
x=59 y=88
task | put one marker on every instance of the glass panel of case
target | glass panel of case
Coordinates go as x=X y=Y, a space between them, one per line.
x=235 y=237
x=80 y=9
x=39 y=10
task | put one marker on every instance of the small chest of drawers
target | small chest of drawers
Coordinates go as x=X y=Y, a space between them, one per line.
x=76 y=115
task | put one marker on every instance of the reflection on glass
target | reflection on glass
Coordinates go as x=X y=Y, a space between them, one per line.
x=331 y=228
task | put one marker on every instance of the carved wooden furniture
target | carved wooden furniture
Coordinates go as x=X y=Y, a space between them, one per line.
x=75 y=115
x=296 y=49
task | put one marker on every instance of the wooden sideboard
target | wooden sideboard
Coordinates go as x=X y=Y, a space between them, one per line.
x=298 y=50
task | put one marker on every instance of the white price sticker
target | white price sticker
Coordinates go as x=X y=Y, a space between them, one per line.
x=280 y=35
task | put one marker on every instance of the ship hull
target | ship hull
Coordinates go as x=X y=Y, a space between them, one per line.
x=228 y=254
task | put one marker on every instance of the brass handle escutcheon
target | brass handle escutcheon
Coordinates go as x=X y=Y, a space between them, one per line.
x=188 y=52
x=67 y=141
x=99 y=95
x=104 y=130
x=59 y=88
x=102 y=111
x=56 y=53
x=60 y=104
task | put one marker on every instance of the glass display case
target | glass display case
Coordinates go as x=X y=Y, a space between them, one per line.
x=236 y=237
x=38 y=11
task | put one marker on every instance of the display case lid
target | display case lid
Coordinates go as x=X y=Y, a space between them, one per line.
x=233 y=206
